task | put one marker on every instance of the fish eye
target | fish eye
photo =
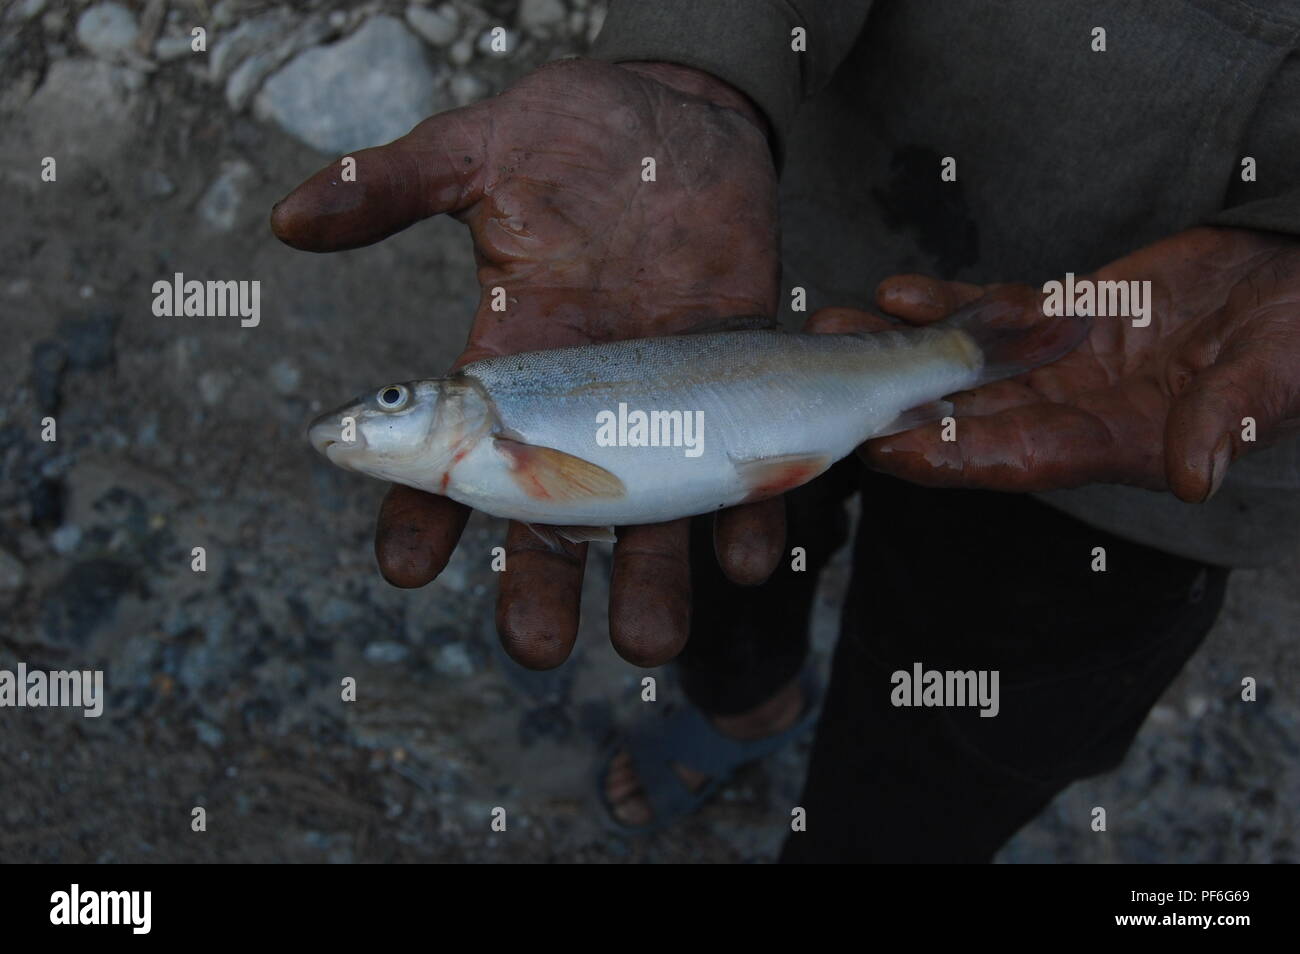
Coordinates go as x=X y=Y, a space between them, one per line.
x=393 y=397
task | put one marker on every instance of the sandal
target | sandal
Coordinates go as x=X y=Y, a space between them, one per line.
x=686 y=737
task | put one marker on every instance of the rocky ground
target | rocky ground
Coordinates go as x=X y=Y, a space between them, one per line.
x=174 y=433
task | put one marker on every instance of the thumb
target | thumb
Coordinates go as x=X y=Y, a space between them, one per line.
x=434 y=168
x=920 y=299
x=1206 y=427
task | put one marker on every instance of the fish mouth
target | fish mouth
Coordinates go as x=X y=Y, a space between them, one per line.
x=325 y=435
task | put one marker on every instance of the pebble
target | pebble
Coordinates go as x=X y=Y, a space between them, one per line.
x=233 y=47
x=12 y=572
x=156 y=184
x=467 y=88
x=367 y=89
x=461 y=53
x=220 y=205
x=541 y=17
x=227 y=12
x=386 y=653
x=172 y=47
x=285 y=376
x=212 y=386
x=107 y=30
x=337 y=610
x=595 y=23
x=28 y=9
x=209 y=734
x=438 y=28
x=66 y=539
x=248 y=77
x=454 y=659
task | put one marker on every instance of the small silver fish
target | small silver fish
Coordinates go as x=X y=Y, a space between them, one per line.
x=646 y=430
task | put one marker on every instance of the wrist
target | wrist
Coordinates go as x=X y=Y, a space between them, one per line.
x=702 y=84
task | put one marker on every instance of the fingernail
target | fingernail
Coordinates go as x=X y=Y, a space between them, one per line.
x=1219 y=461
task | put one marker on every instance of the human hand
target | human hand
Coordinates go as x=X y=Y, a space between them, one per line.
x=1160 y=406
x=548 y=177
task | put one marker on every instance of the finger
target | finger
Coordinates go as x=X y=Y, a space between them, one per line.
x=1035 y=447
x=434 y=168
x=921 y=299
x=839 y=321
x=416 y=534
x=1208 y=424
x=749 y=540
x=650 y=592
x=539 y=598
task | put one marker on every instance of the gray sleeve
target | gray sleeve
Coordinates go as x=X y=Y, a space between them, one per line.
x=1272 y=202
x=746 y=43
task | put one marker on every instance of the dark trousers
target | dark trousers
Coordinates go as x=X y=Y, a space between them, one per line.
x=953 y=580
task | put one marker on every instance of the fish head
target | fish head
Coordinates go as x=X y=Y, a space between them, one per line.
x=408 y=432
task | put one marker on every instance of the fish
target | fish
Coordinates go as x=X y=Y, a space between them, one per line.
x=585 y=439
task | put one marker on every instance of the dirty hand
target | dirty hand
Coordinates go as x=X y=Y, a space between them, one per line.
x=1159 y=407
x=549 y=178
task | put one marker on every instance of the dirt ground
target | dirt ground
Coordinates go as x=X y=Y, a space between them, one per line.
x=223 y=686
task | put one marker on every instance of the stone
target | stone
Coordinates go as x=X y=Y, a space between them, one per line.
x=220 y=205
x=454 y=659
x=467 y=88
x=386 y=653
x=248 y=77
x=209 y=734
x=213 y=386
x=594 y=24
x=362 y=91
x=171 y=46
x=108 y=30
x=156 y=184
x=66 y=539
x=541 y=17
x=27 y=10
x=461 y=53
x=231 y=48
x=84 y=108
x=12 y=572
x=285 y=376
x=438 y=28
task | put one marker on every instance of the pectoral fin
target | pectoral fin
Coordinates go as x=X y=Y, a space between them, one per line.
x=916 y=416
x=548 y=474
x=768 y=476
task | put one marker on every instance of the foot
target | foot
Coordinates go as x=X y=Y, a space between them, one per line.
x=623 y=789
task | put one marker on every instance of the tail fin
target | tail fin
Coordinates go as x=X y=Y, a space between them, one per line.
x=1014 y=335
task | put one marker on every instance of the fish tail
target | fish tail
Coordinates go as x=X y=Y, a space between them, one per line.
x=1013 y=334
